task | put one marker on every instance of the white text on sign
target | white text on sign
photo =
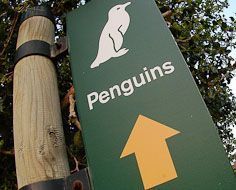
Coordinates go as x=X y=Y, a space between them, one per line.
x=127 y=87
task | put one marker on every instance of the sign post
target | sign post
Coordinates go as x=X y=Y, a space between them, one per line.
x=145 y=124
x=40 y=151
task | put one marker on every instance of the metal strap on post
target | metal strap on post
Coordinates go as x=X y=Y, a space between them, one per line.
x=33 y=47
x=38 y=11
x=76 y=181
x=39 y=47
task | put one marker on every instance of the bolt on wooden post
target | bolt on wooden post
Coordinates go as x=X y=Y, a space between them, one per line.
x=40 y=150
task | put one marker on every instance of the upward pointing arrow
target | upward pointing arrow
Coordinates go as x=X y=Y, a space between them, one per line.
x=148 y=142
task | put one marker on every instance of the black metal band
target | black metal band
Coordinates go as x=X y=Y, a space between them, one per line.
x=38 y=11
x=57 y=184
x=33 y=47
x=77 y=181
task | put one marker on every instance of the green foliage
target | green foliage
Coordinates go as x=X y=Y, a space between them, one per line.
x=1 y=144
x=78 y=141
x=204 y=37
x=1 y=105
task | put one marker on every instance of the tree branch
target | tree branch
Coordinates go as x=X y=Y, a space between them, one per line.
x=77 y=162
x=76 y=165
x=7 y=152
x=69 y=100
x=167 y=13
x=65 y=102
x=16 y=17
x=7 y=77
x=3 y=14
x=10 y=34
x=185 y=40
x=72 y=116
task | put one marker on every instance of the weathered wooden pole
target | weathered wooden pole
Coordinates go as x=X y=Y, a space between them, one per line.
x=40 y=151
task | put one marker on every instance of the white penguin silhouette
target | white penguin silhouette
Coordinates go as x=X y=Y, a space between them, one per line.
x=111 y=39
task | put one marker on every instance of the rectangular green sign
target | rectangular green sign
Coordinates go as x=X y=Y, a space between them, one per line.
x=145 y=124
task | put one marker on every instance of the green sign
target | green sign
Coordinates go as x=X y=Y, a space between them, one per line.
x=144 y=122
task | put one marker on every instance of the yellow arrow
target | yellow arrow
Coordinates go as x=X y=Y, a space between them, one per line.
x=148 y=141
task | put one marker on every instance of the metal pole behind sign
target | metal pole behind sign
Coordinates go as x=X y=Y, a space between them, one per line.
x=40 y=151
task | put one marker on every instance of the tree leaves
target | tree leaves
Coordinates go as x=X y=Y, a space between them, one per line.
x=207 y=54
x=1 y=104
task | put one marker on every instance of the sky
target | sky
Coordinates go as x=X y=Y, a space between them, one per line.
x=231 y=11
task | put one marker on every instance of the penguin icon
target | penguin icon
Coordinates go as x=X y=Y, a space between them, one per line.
x=111 y=38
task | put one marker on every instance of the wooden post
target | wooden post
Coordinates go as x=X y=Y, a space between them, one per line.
x=40 y=151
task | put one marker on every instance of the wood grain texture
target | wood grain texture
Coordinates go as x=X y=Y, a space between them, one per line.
x=36 y=28
x=40 y=151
